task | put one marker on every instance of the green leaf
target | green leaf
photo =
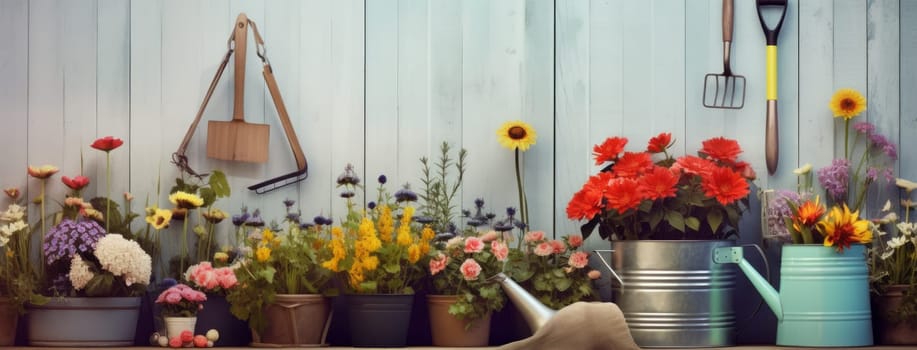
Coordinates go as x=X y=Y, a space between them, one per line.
x=655 y=218
x=100 y=285
x=392 y=268
x=219 y=184
x=208 y=195
x=692 y=223
x=676 y=220
x=558 y=272
x=562 y=284
x=369 y=286
x=714 y=219
x=267 y=274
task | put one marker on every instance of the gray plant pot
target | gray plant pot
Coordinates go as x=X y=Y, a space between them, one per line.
x=84 y=322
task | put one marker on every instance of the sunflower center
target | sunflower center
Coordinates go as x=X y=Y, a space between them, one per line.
x=160 y=220
x=848 y=104
x=517 y=133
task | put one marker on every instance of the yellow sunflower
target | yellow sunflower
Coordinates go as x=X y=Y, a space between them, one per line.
x=516 y=134
x=842 y=228
x=847 y=103
x=160 y=218
x=186 y=200
x=215 y=216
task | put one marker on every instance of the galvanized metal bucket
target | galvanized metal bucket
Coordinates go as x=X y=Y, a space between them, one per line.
x=672 y=293
x=823 y=298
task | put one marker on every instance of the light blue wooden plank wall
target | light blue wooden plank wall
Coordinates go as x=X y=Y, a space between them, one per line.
x=381 y=83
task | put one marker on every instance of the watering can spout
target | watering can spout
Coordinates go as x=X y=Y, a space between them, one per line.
x=533 y=311
x=733 y=255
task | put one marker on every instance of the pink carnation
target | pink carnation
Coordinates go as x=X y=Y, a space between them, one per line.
x=173 y=297
x=500 y=250
x=575 y=241
x=193 y=295
x=534 y=236
x=473 y=245
x=470 y=269
x=544 y=249
x=489 y=236
x=558 y=246
x=438 y=264
x=227 y=277
x=579 y=260
x=206 y=279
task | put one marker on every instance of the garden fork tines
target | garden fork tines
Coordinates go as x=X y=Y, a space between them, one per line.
x=728 y=88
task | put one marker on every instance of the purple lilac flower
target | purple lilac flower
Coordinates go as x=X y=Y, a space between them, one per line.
x=885 y=145
x=872 y=174
x=864 y=128
x=834 y=178
x=71 y=237
x=778 y=210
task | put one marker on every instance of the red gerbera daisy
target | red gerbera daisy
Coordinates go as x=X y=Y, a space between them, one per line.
x=632 y=164
x=722 y=149
x=693 y=165
x=623 y=195
x=724 y=184
x=586 y=203
x=608 y=151
x=658 y=183
x=659 y=143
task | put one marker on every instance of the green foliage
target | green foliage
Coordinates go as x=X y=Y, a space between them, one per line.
x=550 y=278
x=476 y=297
x=438 y=193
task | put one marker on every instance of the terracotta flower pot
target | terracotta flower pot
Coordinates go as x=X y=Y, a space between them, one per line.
x=448 y=330
x=9 y=319
x=294 y=320
x=888 y=330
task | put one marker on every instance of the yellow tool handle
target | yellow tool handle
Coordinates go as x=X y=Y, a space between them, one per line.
x=771 y=72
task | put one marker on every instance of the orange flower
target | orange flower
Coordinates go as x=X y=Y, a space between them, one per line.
x=725 y=185
x=587 y=203
x=693 y=165
x=633 y=164
x=42 y=172
x=658 y=183
x=623 y=195
x=12 y=192
x=721 y=149
x=107 y=143
x=608 y=151
x=842 y=228
x=660 y=143
x=808 y=214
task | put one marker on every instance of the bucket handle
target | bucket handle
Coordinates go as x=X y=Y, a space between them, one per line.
x=598 y=252
x=730 y=256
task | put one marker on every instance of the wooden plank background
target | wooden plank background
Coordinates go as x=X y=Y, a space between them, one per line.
x=381 y=83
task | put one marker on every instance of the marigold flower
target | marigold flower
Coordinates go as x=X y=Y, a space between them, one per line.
x=107 y=143
x=609 y=150
x=725 y=185
x=186 y=200
x=721 y=149
x=371 y=263
x=842 y=228
x=516 y=134
x=660 y=143
x=847 y=103
x=263 y=253
x=42 y=172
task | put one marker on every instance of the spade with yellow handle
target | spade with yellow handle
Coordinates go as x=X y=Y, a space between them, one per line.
x=771 y=141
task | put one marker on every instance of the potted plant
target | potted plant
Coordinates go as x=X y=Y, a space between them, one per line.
x=378 y=251
x=463 y=297
x=216 y=282
x=180 y=306
x=893 y=273
x=828 y=239
x=282 y=285
x=554 y=270
x=18 y=278
x=668 y=213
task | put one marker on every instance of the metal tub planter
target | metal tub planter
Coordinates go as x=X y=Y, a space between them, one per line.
x=84 y=322
x=672 y=293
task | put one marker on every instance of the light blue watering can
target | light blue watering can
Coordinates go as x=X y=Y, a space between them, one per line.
x=823 y=298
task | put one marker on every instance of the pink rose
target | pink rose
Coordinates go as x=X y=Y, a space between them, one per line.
x=473 y=245
x=558 y=246
x=173 y=297
x=489 y=236
x=226 y=277
x=207 y=279
x=438 y=264
x=594 y=274
x=544 y=249
x=500 y=250
x=470 y=269
x=579 y=260
x=575 y=241
x=534 y=236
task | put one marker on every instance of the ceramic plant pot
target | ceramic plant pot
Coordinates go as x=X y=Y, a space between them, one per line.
x=294 y=320
x=889 y=330
x=176 y=325
x=379 y=320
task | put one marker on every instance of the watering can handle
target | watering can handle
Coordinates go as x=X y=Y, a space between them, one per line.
x=726 y=255
x=598 y=253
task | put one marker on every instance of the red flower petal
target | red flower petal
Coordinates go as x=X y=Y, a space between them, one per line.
x=608 y=151
x=722 y=149
x=107 y=143
x=724 y=184
x=659 y=143
x=623 y=195
x=658 y=183
x=632 y=164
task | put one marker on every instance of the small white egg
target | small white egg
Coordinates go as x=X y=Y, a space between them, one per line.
x=213 y=335
x=210 y=343
x=163 y=341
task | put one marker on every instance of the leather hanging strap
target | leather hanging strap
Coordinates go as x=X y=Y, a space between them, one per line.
x=181 y=160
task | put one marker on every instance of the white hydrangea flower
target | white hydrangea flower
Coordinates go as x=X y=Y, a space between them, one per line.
x=80 y=274
x=125 y=258
x=14 y=212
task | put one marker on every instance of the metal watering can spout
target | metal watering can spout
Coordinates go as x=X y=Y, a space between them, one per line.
x=535 y=314
x=733 y=255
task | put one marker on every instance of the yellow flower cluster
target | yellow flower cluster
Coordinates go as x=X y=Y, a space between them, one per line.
x=404 y=230
x=338 y=252
x=268 y=239
x=386 y=223
x=366 y=244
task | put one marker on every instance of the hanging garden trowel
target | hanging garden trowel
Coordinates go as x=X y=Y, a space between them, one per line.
x=237 y=140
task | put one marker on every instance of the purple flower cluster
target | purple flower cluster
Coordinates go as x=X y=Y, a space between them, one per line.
x=880 y=142
x=864 y=128
x=71 y=237
x=835 y=177
x=778 y=210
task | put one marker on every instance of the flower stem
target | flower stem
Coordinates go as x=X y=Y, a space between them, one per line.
x=108 y=189
x=846 y=137
x=42 y=195
x=522 y=209
x=184 y=246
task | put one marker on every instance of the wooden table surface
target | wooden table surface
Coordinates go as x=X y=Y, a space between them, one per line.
x=757 y=347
